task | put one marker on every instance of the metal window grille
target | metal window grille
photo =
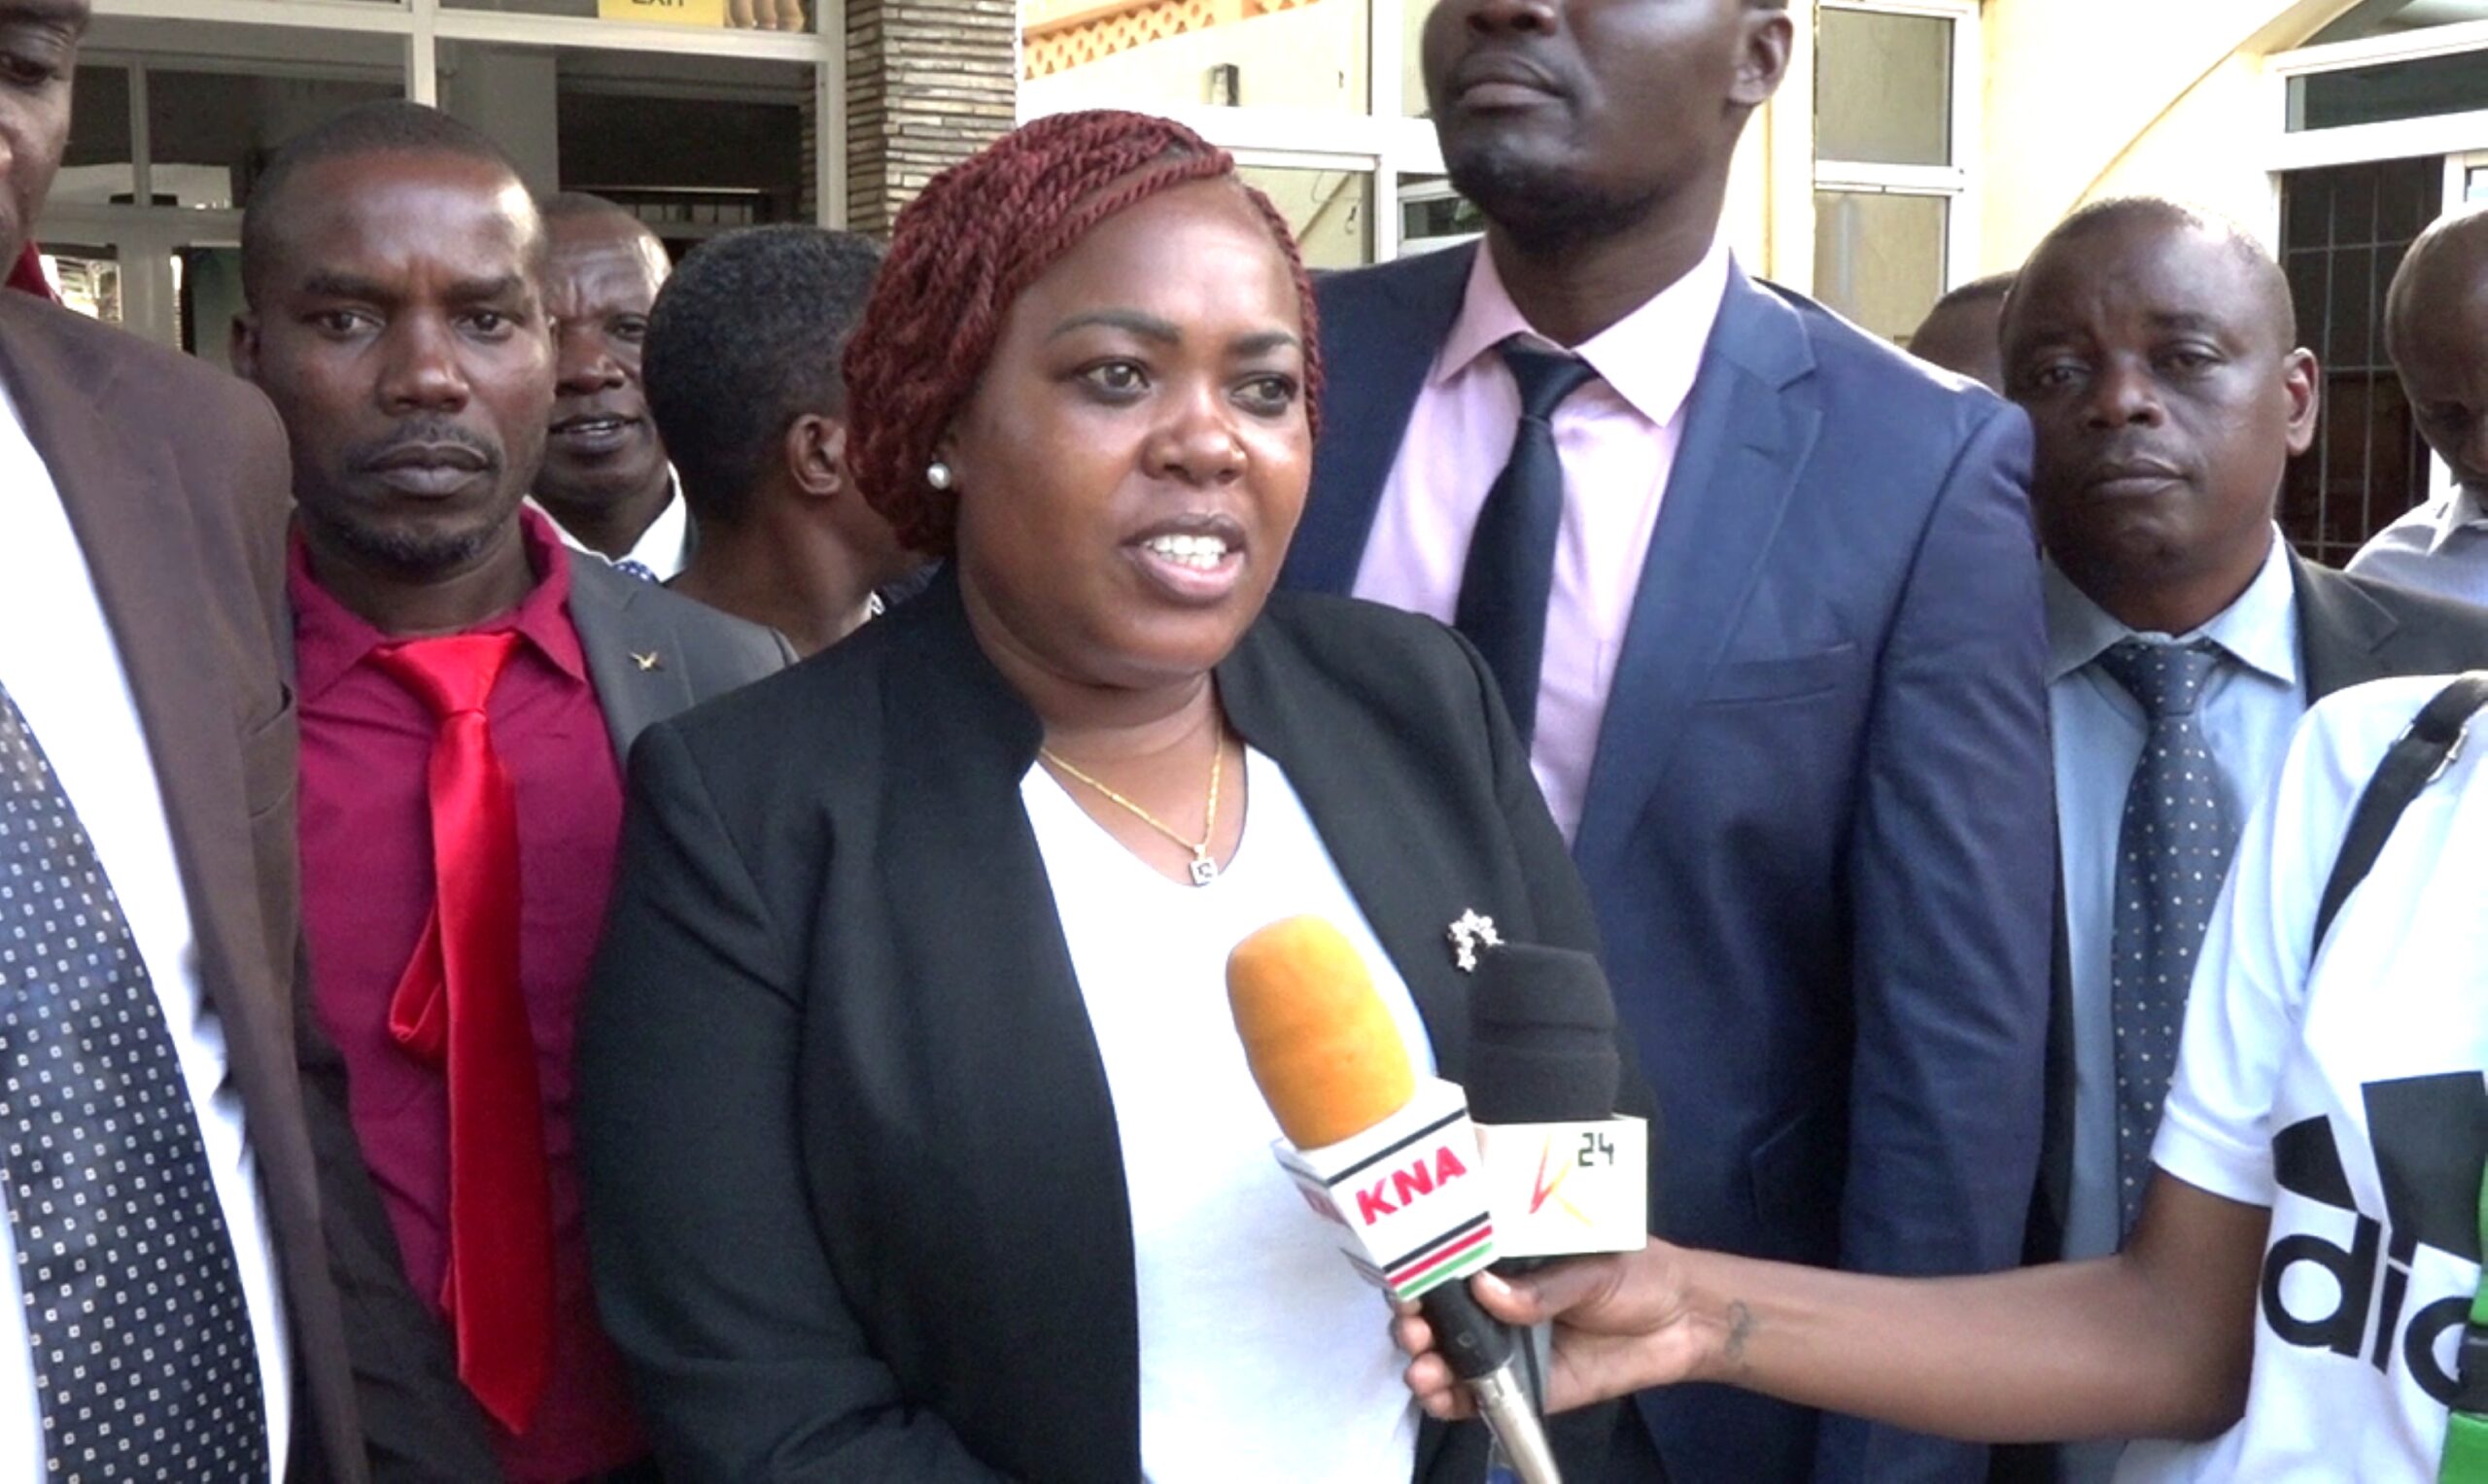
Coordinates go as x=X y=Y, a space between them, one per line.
x=2344 y=229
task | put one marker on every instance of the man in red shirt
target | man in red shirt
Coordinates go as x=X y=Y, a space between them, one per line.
x=469 y=692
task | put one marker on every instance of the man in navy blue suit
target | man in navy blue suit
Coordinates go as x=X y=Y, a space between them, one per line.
x=1764 y=595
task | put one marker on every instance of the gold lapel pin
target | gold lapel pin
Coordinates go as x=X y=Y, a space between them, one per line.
x=649 y=661
x=1467 y=934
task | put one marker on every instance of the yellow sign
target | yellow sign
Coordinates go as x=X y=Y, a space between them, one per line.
x=672 y=13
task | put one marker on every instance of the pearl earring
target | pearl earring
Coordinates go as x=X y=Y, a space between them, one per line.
x=938 y=474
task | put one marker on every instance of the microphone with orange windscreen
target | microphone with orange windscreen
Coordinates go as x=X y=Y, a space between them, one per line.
x=1389 y=1156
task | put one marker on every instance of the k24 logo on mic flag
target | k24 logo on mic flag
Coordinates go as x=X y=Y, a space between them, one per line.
x=1562 y=1189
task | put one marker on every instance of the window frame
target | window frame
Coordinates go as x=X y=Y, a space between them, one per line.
x=424 y=24
x=2352 y=144
x=1958 y=184
x=2460 y=138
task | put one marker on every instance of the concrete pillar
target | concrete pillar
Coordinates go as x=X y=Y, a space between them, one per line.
x=508 y=93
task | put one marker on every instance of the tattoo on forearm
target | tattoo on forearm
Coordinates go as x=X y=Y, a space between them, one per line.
x=1741 y=1326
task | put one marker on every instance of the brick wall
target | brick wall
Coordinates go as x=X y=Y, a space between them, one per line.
x=928 y=82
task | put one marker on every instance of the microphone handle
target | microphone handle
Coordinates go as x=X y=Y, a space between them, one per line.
x=1476 y=1343
x=1479 y=1348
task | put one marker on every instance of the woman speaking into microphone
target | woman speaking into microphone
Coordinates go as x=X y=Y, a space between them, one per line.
x=918 y=1141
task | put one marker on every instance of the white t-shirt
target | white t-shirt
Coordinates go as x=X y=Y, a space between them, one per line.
x=2348 y=1098
x=1263 y=1355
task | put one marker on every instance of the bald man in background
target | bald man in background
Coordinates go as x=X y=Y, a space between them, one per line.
x=2436 y=331
x=605 y=480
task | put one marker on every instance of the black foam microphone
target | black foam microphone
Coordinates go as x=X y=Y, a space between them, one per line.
x=1541 y=1050
x=1542 y=1037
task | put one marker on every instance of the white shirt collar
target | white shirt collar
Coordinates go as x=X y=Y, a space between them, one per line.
x=664 y=548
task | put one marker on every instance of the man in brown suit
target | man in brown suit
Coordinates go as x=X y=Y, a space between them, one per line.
x=167 y=1304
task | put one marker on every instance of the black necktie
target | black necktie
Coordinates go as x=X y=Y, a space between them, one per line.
x=1511 y=570
x=143 y=1356
x=2173 y=852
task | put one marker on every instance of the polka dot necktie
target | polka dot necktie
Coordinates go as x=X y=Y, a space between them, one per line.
x=632 y=567
x=1508 y=578
x=2172 y=851
x=143 y=1355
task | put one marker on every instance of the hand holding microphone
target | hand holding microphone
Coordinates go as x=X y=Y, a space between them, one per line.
x=1622 y=1322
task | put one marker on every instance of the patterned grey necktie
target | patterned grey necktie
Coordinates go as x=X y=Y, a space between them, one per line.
x=2172 y=851
x=143 y=1356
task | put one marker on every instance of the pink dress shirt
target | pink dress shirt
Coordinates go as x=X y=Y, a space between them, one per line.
x=1617 y=437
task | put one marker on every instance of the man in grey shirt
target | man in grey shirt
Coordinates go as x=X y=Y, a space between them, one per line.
x=2436 y=330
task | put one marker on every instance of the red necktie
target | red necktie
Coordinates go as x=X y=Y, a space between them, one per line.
x=26 y=274
x=460 y=1002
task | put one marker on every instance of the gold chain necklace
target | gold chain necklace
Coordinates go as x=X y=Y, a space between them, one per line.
x=1204 y=867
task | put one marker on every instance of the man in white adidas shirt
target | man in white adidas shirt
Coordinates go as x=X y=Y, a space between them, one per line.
x=2340 y=1087
x=2294 y=1293
x=2293 y=1301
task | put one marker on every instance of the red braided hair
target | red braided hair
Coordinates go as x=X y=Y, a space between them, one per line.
x=960 y=254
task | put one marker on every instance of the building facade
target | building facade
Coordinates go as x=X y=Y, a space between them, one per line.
x=1916 y=145
x=700 y=116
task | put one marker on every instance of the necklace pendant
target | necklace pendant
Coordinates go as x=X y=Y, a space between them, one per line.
x=1204 y=870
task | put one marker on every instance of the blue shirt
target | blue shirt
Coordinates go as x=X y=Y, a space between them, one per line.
x=2248 y=709
x=2440 y=547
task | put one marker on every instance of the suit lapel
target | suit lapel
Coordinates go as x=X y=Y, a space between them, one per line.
x=633 y=658
x=1407 y=889
x=1747 y=440
x=2341 y=631
x=1387 y=322
x=1013 y=1032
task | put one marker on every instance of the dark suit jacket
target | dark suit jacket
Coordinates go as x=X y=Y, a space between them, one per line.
x=420 y=1425
x=652 y=653
x=1817 y=831
x=855 y=1197
x=176 y=479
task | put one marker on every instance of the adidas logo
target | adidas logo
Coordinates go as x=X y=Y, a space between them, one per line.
x=2428 y=1135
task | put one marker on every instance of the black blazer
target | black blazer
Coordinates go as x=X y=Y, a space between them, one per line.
x=854 y=1192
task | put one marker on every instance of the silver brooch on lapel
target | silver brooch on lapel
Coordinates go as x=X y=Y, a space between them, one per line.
x=1467 y=934
x=649 y=661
